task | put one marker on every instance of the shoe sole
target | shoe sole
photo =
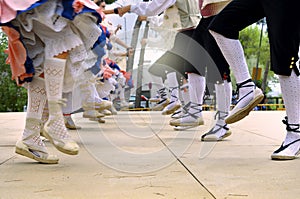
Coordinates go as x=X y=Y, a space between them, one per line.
x=208 y=139
x=172 y=110
x=27 y=154
x=97 y=120
x=156 y=100
x=102 y=108
x=107 y=114
x=176 y=117
x=72 y=127
x=161 y=106
x=183 y=128
x=90 y=116
x=59 y=147
x=244 y=111
x=282 y=157
x=188 y=124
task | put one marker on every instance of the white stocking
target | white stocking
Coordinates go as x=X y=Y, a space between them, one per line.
x=36 y=103
x=173 y=86
x=234 y=55
x=197 y=85
x=290 y=88
x=55 y=129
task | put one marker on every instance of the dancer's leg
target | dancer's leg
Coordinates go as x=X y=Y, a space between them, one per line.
x=31 y=145
x=193 y=116
x=162 y=95
x=223 y=99
x=54 y=128
x=249 y=95
x=290 y=88
x=174 y=103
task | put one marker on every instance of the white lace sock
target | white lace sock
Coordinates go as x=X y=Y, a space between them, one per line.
x=55 y=128
x=35 y=106
x=45 y=115
x=54 y=74
x=290 y=87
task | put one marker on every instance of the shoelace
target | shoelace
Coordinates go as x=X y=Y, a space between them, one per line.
x=289 y=126
x=162 y=93
x=218 y=115
x=242 y=85
x=192 y=105
x=171 y=89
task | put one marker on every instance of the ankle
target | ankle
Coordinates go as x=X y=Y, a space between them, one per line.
x=293 y=132
x=221 y=122
x=245 y=87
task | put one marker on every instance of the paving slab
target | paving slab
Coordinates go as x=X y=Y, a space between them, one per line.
x=138 y=155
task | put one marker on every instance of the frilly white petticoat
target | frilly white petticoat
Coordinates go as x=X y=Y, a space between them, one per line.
x=47 y=34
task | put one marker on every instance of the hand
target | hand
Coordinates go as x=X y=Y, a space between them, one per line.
x=123 y=10
x=142 y=18
x=119 y=27
x=130 y=51
x=144 y=42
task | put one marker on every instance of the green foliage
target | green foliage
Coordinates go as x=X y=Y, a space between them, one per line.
x=12 y=97
x=109 y=1
x=250 y=38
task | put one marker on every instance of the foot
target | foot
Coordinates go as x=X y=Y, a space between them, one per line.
x=70 y=123
x=35 y=152
x=155 y=99
x=177 y=114
x=290 y=148
x=187 y=121
x=161 y=104
x=246 y=103
x=99 y=120
x=92 y=114
x=56 y=132
x=171 y=107
x=217 y=133
x=106 y=112
x=113 y=110
x=105 y=104
x=100 y=105
x=183 y=128
x=124 y=104
x=192 y=116
x=287 y=152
